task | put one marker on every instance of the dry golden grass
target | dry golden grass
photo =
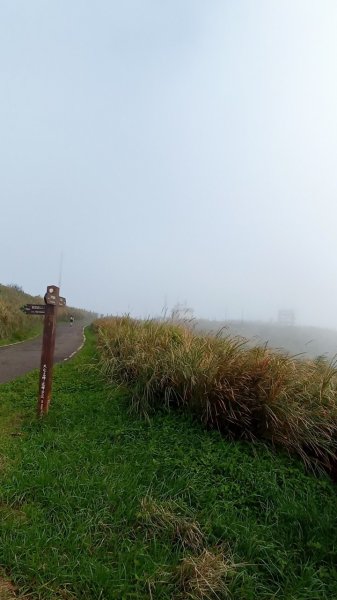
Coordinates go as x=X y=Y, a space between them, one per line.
x=202 y=573
x=7 y=589
x=166 y=516
x=204 y=576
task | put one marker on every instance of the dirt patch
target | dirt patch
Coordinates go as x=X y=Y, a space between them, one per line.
x=7 y=590
x=12 y=513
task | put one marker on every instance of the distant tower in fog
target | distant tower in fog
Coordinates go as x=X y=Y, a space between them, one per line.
x=286 y=317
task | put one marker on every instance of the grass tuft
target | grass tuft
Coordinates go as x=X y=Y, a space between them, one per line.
x=167 y=517
x=204 y=576
x=7 y=589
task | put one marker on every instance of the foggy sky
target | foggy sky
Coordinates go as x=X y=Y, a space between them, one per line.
x=171 y=151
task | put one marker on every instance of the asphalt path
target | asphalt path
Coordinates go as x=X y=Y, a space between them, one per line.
x=18 y=359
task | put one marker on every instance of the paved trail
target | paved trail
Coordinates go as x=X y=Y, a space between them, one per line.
x=20 y=358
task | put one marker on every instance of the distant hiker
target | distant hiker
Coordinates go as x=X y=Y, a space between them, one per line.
x=71 y=320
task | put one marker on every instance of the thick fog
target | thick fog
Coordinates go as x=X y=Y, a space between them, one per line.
x=162 y=152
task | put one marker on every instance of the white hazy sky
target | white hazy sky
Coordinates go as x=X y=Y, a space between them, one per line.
x=178 y=150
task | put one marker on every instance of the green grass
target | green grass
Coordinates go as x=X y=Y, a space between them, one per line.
x=21 y=336
x=96 y=503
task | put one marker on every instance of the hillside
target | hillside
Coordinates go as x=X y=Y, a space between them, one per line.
x=15 y=325
x=309 y=341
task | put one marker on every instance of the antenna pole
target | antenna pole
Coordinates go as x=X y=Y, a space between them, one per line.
x=60 y=270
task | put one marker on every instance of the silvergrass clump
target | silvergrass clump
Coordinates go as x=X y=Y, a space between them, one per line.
x=166 y=517
x=204 y=576
x=245 y=392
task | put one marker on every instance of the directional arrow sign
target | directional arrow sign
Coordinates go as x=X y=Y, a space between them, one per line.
x=34 y=309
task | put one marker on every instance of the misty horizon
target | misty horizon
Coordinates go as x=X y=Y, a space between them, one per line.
x=180 y=153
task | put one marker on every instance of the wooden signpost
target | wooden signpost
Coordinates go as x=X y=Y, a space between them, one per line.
x=52 y=301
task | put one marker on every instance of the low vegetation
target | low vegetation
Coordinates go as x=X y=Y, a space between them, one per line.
x=96 y=503
x=247 y=393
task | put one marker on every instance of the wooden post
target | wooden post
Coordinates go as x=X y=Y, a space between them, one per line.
x=48 y=345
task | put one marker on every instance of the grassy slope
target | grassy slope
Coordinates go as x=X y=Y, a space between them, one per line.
x=15 y=326
x=72 y=522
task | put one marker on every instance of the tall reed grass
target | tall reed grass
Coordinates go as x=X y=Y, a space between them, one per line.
x=246 y=393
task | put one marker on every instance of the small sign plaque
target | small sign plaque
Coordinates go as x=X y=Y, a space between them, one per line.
x=51 y=297
x=34 y=309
